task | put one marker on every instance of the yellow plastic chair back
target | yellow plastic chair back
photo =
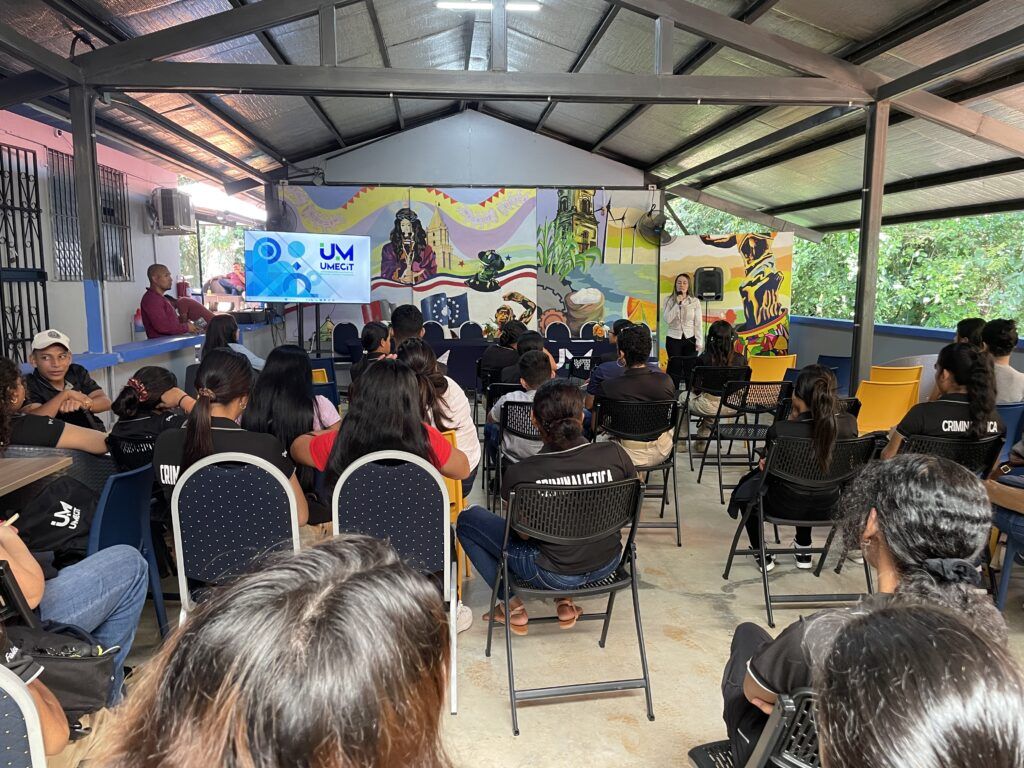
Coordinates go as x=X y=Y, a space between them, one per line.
x=890 y=374
x=770 y=367
x=457 y=503
x=883 y=404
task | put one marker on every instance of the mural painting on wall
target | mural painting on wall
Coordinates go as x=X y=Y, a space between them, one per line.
x=757 y=270
x=459 y=254
x=593 y=266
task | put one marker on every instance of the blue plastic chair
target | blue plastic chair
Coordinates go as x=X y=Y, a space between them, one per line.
x=1012 y=415
x=122 y=517
x=843 y=366
x=341 y=341
x=433 y=331
x=329 y=389
x=470 y=330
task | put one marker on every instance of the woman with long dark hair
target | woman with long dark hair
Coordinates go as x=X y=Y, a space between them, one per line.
x=334 y=656
x=223 y=386
x=921 y=522
x=150 y=402
x=376 y=342
x=966 y=406
x=913 y=684
x=816 y=414
x=719 y=352
x=567 y=459
x=443 y=403
x=223 y=332
x=384 y=415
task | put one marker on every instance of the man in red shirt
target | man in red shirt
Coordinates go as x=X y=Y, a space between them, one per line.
x=163 y=316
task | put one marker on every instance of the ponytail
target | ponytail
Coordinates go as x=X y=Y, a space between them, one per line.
x=972 y=368
x=419 y=356
x=816 y=386
x=143 y=392
x=198 y=430
x=223 y=376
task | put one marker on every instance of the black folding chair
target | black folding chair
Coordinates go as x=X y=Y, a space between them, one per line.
x=645 y=422
x=789 y=738
x=574 y=515
x=484 y=377
x=746 y=399
x=494 y=393
x=979 y=456
x=712 y=380
x=793 y=461
x=850 y=405
x=515 y=421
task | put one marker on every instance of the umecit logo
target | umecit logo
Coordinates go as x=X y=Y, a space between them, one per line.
x=338 y=255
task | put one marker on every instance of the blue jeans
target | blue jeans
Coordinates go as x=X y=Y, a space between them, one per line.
x=103 y=594
x=1011 y=523
x=491 y=434
x=482 y=533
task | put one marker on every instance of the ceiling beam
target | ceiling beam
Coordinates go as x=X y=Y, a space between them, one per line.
x=857 y=53
x=927 y=181
x=385 y=57
x=975 y=209
x=468 y=31
x=704 y=51
x=989 y=50
x=27 y=86
x=581 y=58
x=499 y=86
x=499 y=37
x=751 y=214
x=34 y=55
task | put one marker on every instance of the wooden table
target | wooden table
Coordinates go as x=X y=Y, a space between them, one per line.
x=17 y=473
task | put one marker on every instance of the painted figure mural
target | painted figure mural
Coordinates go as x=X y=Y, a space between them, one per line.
x=407 y=258
x=759 y=289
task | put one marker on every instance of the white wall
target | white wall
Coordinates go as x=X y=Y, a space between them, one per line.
x=474 y=149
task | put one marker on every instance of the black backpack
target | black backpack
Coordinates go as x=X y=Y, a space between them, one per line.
x=57 y=519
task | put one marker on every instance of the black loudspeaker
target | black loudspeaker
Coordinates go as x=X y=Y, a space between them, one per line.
x=708 y=283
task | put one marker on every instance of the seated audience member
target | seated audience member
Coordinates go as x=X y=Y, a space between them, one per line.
x=349 y=668
x=59 y=388
x=384 y=415
x=640 y=383
x=534 y=370
x=376 y=341
x=719 y=352
x=606 y=368
x=283 y=405
x=968 y=331
x=816 y=414
x=18 y=428
x=443 y=403
x=915 y=685
x=52 y=721
x=965 y=409
x=530 y=341
x=406 y=323
x=1000 y=339
x=613 y=338
x=166 y=316
x=223 y=386
x=566 y=458
x=921 y=522
x=150 y=402
x=504 y=352
x=223 y=332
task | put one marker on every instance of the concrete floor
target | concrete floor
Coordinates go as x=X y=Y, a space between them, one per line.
x=689 y=613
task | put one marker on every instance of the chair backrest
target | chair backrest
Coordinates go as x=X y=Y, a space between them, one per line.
x=516 y=421
x=843 y=366
x=21 y=737
x=580 y=367
x=636 y=421
x=575 y=514
x=790 y=737
x=231 y=511
x=471 y=330
x=713 y=379
x=1012 y=415
x=557 y=332
x=131 y=452
x=190 y=379
x=770 y=367
x=756 y=397
x=884 y=404
x=88 y=469
x=680 y=368
x=850 y=405
x=462 y=365
x=345 y=332
x=122 y=510
x=497 y=390
x=456 y=501
x=399 y=497
x=433 y=331
x=587 y=330
x=795 y=460
x=888 y=373
x=979 y=456
x=325 y=379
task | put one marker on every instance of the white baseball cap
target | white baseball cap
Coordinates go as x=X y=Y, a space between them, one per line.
x=48 y=338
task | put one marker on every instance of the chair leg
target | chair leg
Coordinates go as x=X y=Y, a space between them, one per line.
x=675 y=503
x=764 y=569
x=640 y=639
x=664 y=492
x=721 y=484
x=607 y=619
x=1004 y=577
x=736 y=537
x=777 y=539
x=867 y=577
x=823 y=555
x=453 y=607
x=508 y=654
x=490 y=621
x=157 y=591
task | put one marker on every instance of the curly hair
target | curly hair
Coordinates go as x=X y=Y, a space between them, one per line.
x=9 y=378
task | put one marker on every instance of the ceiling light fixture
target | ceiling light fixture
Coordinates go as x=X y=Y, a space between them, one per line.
x=483 y=5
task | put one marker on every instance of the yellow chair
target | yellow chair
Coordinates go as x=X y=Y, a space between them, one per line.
x=890 y=374
x=884 y=403
x=457 y=503
x=770 y=367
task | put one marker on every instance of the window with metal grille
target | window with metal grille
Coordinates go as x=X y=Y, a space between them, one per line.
x=115 y=228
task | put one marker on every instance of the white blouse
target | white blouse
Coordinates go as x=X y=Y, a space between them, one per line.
x=683 y=321
x=460 y=418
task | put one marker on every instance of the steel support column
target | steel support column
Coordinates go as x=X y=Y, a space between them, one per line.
x=499 y=37
x=87 y=195
x=867 y=251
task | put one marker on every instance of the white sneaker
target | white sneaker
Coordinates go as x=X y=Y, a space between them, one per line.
x=804 y=561
x=463 y=618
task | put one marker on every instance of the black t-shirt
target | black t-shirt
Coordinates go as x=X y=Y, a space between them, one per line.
x=497 y=357
x=949 y=417
x=509 y=374
x=364 y=362
x=783 y=665
x=585 y=464
x=143 y=428
x=25 y=667
x=32 y=429
x=642 y=385
x=227 y=437
x=40 y=391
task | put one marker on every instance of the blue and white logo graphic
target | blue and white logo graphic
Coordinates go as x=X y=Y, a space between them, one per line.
x=289 y=266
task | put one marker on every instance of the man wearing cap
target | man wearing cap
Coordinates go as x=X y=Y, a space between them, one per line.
x=59 y=388
x=164 y=316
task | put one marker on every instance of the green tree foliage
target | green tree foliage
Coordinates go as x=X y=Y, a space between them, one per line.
x=223 y=246
x=930 y=274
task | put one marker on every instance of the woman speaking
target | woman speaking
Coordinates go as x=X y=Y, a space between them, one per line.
x=682 y=317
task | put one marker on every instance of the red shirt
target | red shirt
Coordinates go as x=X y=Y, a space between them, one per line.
x=440 y=449
x=159 y=317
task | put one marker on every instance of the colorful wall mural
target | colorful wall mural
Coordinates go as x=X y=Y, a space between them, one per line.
x=758 y=278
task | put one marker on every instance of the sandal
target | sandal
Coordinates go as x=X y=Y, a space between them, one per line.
x=567 y=619
x=519 y=622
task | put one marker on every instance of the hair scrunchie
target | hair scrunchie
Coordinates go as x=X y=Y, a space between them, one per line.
x=139 y=387
x=954 y=570
x=207 y=393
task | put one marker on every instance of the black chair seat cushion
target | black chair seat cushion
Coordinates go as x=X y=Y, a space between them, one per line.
x=717 y=754
x=740 y=431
